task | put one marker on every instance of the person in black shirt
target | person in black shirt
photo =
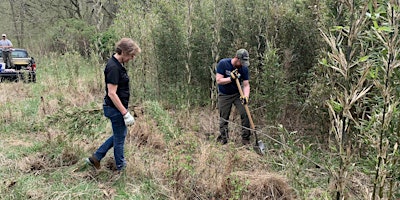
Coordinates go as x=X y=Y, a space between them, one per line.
x=229 y=69
x=116 y=103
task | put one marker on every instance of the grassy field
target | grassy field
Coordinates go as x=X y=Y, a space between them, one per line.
x=49 y=127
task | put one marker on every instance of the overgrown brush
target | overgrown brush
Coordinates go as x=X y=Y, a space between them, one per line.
x=78 y=121
x=190 y=162
x=361 y=70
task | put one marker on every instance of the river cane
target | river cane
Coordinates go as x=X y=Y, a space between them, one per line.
x=259 y=147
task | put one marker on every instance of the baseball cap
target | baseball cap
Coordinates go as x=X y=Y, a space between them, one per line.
x=3 y=35
x=243 y=56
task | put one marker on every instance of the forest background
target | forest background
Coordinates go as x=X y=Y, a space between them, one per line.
x=324 y=98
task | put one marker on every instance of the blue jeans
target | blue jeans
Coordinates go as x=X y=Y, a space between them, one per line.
x=117 y=140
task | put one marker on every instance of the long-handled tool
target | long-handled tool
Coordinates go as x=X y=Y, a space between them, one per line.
x=259 y=147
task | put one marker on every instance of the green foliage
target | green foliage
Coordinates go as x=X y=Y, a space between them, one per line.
x=64 y=70
x=199 y=43
x=361 y=67
x=271 y=93
x=294 y=155
x=239 y=187
x=79 y=121
x=104 y=43
x=169 y=49
x=72 y=35
x=165 y=122
x=297 y=40
x=137 y=19
x=177 y=41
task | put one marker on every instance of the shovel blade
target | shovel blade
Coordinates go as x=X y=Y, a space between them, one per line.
x=260 y=147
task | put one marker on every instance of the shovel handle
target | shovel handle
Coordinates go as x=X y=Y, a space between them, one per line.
x=259 y=144
x=245 y=105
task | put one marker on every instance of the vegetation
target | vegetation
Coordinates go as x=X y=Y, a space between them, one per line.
x=324 y=96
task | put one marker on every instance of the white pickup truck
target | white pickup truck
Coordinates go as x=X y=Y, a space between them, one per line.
x=23 y=67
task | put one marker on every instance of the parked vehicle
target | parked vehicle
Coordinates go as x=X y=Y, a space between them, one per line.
x=24 y=67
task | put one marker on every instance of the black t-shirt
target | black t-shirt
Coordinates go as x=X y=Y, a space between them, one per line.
x=116 y=74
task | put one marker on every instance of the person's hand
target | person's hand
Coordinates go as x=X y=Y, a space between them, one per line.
x=234 y=75
x=244 y=100
x=129 y=120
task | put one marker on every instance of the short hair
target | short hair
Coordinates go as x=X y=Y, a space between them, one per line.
x=127 y=46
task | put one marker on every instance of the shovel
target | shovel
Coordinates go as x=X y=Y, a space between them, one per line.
x=259 y=147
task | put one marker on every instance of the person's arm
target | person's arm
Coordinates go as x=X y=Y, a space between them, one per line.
x=221 y=80
x=246 y=88
x=112 y=93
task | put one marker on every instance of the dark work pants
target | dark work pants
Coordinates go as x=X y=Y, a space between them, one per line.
x=225 y=103
x=7 y=59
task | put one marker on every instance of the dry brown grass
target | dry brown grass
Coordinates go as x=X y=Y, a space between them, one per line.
x=9 y=91
x=209 y=171
x=266 y=185
x=80 y=97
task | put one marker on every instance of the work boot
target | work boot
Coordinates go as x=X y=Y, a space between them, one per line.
x=92 y=161
x=222 y=140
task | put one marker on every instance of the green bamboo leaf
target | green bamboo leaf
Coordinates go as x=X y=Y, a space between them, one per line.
x=324 y=62
x=384 y=52
x=376 y=26
x=385 y=28
x=373 y=74
x=337 y=28
x=370 y=8
x=363 y=59
x=337 y=107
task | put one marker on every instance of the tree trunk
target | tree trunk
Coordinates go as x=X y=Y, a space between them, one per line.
x=215 y=55
x=18 y=33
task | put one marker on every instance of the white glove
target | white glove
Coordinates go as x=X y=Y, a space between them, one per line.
x=128 y=118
